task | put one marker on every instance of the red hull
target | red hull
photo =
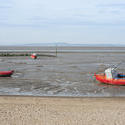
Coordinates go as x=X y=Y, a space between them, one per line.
x=102 y=78
x=33 y=56
x=6 y=73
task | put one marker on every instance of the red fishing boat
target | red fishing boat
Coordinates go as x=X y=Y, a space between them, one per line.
x=111 y=77
x=6 y=73
x=33 y=56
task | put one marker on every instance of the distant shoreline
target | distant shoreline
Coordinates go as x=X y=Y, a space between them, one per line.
x=26 y=52
x=62 y=46
x=53 y=50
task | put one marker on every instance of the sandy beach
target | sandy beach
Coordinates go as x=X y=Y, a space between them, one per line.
x=18 y=110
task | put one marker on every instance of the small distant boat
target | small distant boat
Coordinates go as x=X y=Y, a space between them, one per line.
x=6 y=73
x=33 y=56
x=111 y=77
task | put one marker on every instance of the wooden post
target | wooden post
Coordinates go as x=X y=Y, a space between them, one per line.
x=56 y=50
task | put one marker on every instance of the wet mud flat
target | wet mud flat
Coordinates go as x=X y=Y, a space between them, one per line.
x=68 y=74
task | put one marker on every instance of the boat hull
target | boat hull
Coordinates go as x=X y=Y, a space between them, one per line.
x=6 y=73
x=102 y=78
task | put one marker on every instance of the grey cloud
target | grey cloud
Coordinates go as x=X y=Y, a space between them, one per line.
x=119 y=5
x=75 y=22
x=37 y=18
x=5 y=6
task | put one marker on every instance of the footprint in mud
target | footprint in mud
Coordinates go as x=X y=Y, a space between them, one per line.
x=39 y=66
x=74 y=67
x=20 y=63
x=2 y=60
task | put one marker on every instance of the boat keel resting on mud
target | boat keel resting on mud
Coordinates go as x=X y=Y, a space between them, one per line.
x=111 y=77
x=6 y=73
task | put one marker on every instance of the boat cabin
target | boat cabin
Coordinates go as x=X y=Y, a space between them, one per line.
x=111 y=73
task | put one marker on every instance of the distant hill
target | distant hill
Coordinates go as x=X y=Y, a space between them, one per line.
x=71 y=44
x=68 y=44
x=48 y=44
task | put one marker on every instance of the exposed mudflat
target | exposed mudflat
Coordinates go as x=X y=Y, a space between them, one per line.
x=68 y=74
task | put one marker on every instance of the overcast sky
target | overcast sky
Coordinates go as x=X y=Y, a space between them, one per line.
x=73 y=21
